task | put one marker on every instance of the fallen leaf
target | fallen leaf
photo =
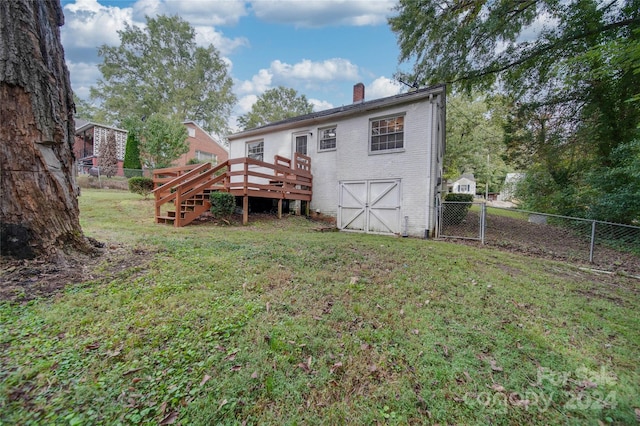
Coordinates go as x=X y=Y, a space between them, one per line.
x=373 y=368
x=254 y=375
x=637 y=410
x=92 y=346
x=588 y=385
x=135 y=380
x=169 y=419
x=231 y=356
x=335 y=366
x=304 y=366
x=236 y=368
x=466 y=374
x=220 y=348
x=365 y=346
x=205 y=379
x=354 y=280
x=498 y=388
x=416 y=331
x=268 y=307
x=494 y=366
x=222 y=403
x=133 y=370
x=163 y=408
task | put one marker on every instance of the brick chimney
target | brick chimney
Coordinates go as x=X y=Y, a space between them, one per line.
x=358 y=93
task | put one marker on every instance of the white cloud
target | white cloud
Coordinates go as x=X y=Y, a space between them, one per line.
x=89 y=24
x=206 y=36
x=319 y=105
x=258 y=84
x=327 y=70
x=197 y=12
x=245 y=103
x=320 y=13
x=83 y=76
x=382 y=87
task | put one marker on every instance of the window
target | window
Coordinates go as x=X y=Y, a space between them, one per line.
x=301 y=144
x=192 y=132
x=387 y=134
x=464 y=188
x=327 y=140
x=255 y=150
x=206 y=157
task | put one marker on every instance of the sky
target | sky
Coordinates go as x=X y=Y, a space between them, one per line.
x=320 y=48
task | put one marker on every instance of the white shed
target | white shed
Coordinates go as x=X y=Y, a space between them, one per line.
x=465 y=184
x=376 y=165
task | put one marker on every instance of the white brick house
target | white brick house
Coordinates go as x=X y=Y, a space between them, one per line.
x=377 y=165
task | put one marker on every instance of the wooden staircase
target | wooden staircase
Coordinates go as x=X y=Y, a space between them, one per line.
x=187 y=189
x=190 y=209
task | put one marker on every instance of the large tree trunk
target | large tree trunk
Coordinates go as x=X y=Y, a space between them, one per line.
x=38 y=204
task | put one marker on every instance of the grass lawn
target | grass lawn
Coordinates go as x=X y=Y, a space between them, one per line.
x=275 y=323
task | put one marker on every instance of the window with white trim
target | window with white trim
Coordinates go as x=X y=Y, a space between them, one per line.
x=206 y=157
x=255 y=150
x=192 y=132
x=327 y=139
x=387 y=134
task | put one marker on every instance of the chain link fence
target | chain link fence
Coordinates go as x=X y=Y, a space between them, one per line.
x=462 y=220
x=603 y=244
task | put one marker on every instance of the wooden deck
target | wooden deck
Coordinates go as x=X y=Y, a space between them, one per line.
x=186 y=189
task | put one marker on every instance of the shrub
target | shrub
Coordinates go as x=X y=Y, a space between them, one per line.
x=141 y=185
x=455 y=212
x=222 y=204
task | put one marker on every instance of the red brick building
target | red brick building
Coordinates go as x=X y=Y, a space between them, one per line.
x=202 y=147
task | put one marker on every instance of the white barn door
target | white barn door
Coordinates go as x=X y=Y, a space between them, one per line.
x=371 y=206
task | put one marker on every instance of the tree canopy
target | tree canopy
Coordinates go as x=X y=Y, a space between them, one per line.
x=159 y=69
x=162 y=140
x=570 y=70
x=274 y=105
x=475 y=139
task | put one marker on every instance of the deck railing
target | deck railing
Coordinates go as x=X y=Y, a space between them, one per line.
x=243 y=177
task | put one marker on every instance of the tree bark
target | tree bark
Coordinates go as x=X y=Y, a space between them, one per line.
x=39 y=213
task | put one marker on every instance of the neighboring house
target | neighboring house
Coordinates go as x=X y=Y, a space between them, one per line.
x=202 y=147
x=376 y=165
x=511 y=181
x=465 y=184
x=88 y=138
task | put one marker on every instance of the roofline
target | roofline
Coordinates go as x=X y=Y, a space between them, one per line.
x=92 y=124
x=206 y=133
x=340 y=112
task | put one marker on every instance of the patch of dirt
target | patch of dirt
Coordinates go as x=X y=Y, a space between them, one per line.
x=24 y=280
x=551 y=242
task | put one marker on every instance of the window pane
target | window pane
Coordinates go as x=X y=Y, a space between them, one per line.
x=387 y=134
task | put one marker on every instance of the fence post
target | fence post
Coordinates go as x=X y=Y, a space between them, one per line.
x=593 y=241
x=483 y=221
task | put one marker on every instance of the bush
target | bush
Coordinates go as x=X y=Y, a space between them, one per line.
x=141 y=185
x=454 y=213
x=222 y=204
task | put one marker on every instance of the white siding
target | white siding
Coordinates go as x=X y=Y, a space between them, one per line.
x=418 y=166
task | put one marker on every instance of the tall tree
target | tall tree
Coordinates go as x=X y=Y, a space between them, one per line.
x=274 y=105
x=159 y=69
x=570 y=66
x=132 y=164
x=38 y=202
x=109 y=156
x=162 y=141
x=475 y=139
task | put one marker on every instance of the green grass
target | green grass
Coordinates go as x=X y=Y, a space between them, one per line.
x=274 y=323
